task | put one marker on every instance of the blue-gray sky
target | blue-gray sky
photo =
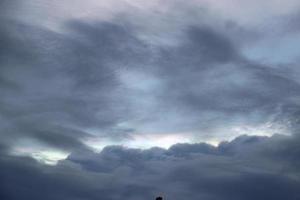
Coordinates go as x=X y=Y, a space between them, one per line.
x=96 y=92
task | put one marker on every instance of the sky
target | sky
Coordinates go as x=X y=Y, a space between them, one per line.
x=131 y=99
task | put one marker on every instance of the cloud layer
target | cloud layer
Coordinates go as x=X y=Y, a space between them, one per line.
x=76 y=76
x=249 y=167
x=103 y=80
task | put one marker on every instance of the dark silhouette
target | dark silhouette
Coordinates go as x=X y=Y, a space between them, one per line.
x=159 y=198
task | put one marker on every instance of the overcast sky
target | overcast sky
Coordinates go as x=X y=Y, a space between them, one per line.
x=129 y=99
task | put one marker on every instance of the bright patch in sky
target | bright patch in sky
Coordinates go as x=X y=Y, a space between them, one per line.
x=141 y=141
x=51 y=156
x=267 y=129
x=46 y=156
x=275 y=50
x=145 y=141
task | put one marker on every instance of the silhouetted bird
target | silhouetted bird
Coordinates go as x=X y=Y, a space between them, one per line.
x=159 y=198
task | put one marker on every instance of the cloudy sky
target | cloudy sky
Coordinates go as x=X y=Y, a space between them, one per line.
x=131 y=99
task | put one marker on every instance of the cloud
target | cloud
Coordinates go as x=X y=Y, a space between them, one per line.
x=247 y=167
x=58 y=85
x=100 y=79
x=76 y=75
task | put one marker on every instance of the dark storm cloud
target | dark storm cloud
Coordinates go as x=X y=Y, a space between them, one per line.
x=207 y=75
x=71 y=81
x=249 y=167
x=55 y=85
x=68 y=80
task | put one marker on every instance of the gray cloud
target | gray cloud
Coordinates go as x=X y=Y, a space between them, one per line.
x=249 y=167
x=55 y=82
x=64 y=80
x=71 y=81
